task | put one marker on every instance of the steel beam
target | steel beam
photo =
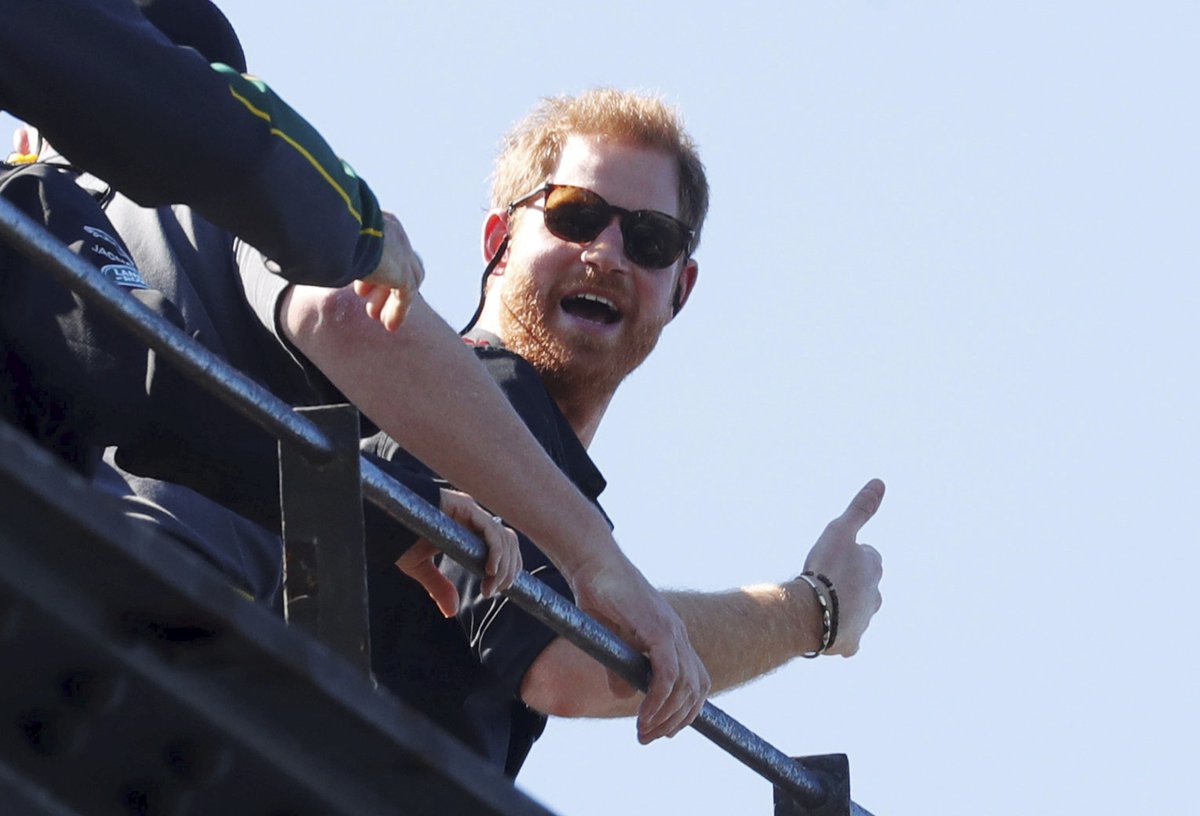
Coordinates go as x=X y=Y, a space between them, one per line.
x=326 y=564
x=136 y=680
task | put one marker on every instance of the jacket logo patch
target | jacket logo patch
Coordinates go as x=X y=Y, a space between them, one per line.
x=122 y=271
x=123 y=275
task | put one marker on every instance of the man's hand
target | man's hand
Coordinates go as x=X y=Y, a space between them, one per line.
x=855 y=569
x=503 y=561
x=390 y=288
x=620 y=597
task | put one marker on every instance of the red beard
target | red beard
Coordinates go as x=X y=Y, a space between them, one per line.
x=577 y=368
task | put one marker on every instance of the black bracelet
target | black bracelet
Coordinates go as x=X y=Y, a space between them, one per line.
x=827 y=622
x=833 y=607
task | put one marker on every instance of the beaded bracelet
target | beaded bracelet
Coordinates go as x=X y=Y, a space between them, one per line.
x=829 y=610
x=834 y=610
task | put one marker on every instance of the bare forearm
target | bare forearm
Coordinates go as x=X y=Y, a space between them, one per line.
x=746 y=633
x=740 y=635
x=425 y=388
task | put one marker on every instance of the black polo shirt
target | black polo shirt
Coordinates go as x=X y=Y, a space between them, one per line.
x=466 y=674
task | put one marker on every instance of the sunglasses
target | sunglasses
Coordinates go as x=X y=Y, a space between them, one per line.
x=652 y=239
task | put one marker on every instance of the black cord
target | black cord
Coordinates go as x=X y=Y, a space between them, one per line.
x=487 y=273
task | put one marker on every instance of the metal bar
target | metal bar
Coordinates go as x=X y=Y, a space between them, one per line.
x=213 y=373
x=161 y=689
x=834 y=769
x=323 y=539
x=570 y=622
x=326 y=563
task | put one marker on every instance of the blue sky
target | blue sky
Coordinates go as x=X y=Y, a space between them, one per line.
x=951 y=245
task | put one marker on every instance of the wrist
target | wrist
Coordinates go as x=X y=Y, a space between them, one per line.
x=826 y=598
x=582 y=547
x=805 y=616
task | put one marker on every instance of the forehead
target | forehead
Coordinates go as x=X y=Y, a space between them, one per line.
x=627 y=175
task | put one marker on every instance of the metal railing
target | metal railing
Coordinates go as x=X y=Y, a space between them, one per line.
x=817 y=785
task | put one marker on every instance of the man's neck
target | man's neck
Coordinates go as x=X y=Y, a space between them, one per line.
x=583 y=408
x=583 y=412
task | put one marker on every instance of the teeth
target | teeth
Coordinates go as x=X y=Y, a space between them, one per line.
x=597 y=299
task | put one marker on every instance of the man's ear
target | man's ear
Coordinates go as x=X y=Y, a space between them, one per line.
x=495 y=230
x=684 y=285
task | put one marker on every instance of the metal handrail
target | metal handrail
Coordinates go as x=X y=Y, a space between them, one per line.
x=212 y=372
x=572 y=623
x=277 y=417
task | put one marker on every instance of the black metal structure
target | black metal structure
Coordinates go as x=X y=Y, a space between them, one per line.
x=137 y=681
x=325 y=566
x=834 y=772
x=198 y=663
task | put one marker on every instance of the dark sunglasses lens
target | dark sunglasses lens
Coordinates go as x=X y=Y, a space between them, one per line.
x=652 y=240
x=575 y=214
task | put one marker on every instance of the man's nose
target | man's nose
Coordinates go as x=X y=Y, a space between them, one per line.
x=607 y=250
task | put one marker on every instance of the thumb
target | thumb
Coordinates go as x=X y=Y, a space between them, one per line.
x=443 y=593
x=863 y=506
x=425 y=572
x=395 y=309
x=618 y=686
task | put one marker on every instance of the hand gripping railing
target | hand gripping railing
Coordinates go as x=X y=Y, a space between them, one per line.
x=809 y=788
x=815 y=792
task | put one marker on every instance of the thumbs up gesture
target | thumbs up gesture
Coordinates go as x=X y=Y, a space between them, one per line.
x=854 y=569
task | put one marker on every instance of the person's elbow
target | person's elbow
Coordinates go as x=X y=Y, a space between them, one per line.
x=564 y=682
x=315 y=314
x=544 y=690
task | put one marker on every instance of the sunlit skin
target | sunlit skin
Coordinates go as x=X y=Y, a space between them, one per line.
x=584 y=350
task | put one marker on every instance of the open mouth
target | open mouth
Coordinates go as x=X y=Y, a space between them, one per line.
x=593 y=308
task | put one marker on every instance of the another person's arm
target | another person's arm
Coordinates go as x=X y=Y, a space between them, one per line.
x=741 y=634
x=424 y=387
x=161 y=125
